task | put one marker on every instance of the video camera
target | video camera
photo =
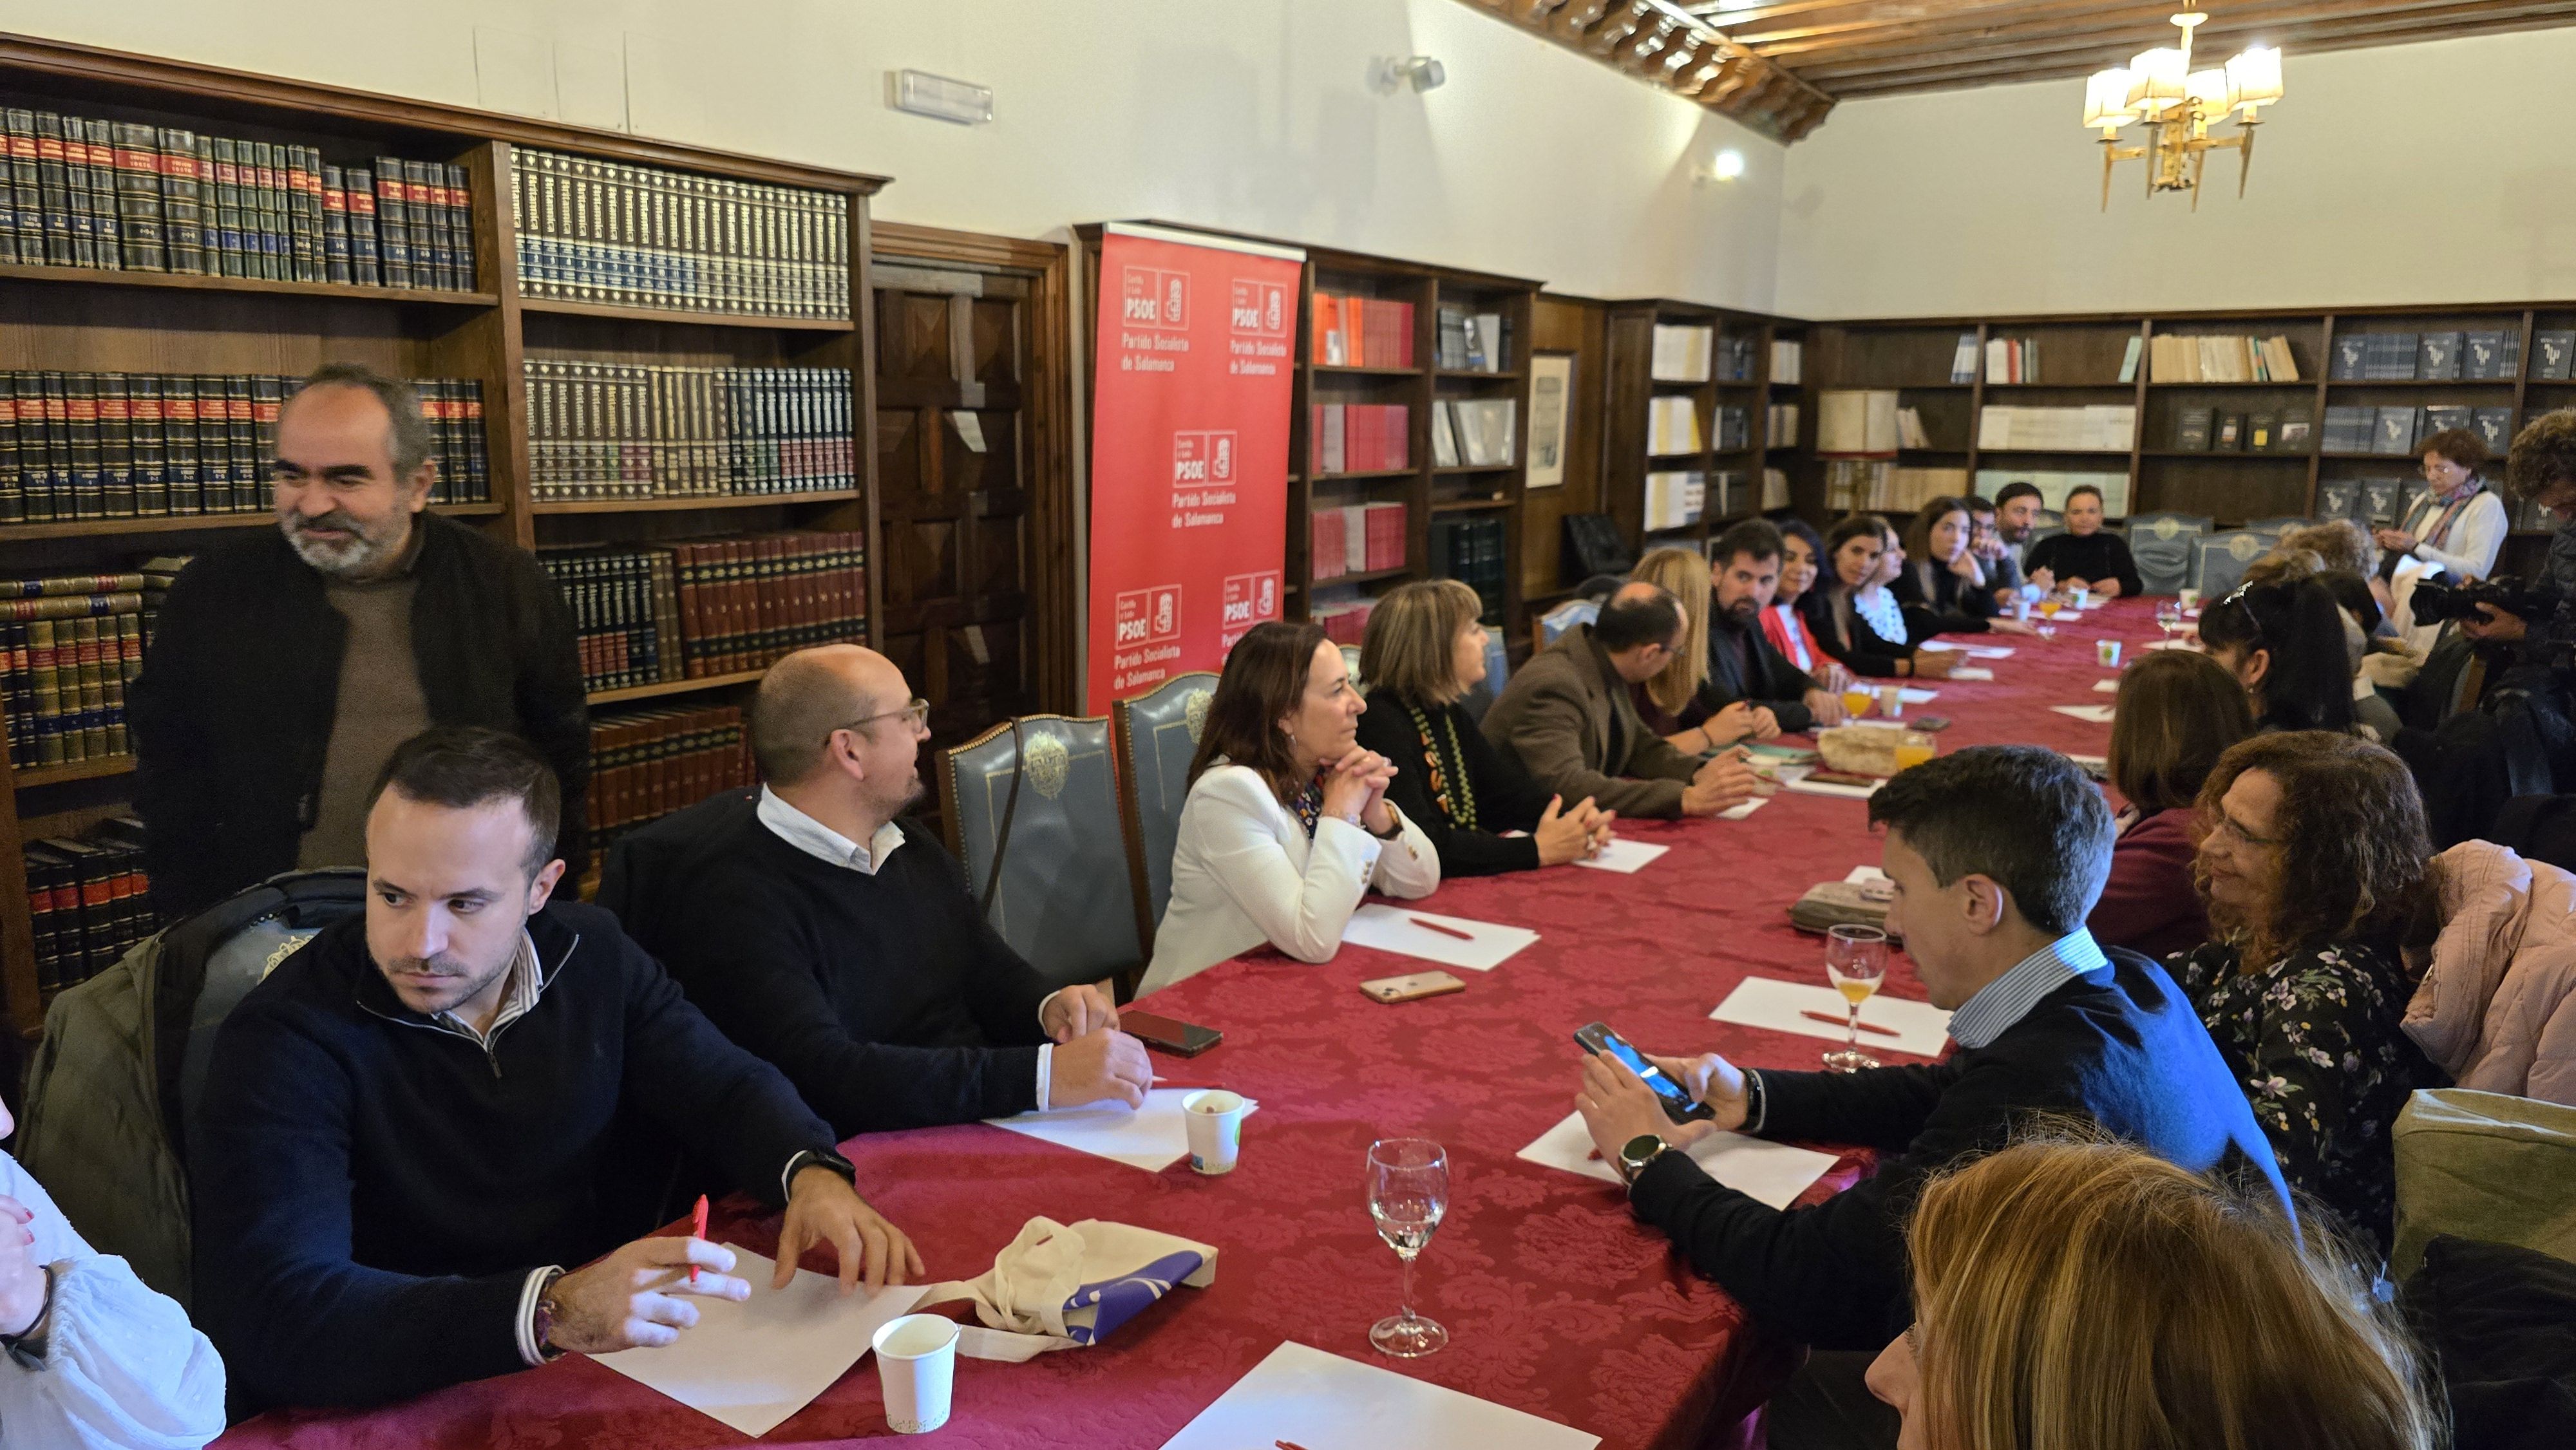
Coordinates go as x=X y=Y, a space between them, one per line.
x=2436 y=600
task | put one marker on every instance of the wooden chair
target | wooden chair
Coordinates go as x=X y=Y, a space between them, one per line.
x=1062 y=899
x=1156 y=736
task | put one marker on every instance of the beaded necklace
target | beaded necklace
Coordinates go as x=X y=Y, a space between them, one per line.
x=1439 y=772
x=1309 y=804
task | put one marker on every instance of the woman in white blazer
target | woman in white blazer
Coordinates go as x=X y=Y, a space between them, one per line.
x=1287 y=822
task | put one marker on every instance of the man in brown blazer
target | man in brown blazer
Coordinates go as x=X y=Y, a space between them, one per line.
x=1568 y=717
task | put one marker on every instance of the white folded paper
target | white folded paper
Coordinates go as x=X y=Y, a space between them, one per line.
x=1303 y=1396
x=1939 y=646
x=1912 y=696
x=1864 y=875
x=1768 y=1002
x=1772 y=1173
x=755 y=1363
x=1736 y=813
x=2098 y=714
x=1627 y=857
x=1972 y=672
x=1153 y=1137
x=1484 y=945
x=1991 y=651
x=2106 y=687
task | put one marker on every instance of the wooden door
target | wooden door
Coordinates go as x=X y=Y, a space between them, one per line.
x=967 y=455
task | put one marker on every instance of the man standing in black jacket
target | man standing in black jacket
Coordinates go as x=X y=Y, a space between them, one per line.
x=1998 y=853
x=422 y=1117
x=818 y=932
x=285 y=668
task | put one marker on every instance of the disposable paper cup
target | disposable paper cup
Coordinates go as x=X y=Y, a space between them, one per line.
x=917 y=1365
x=2108 y=651
x=2190 y=600
x=2083 y=598
x=1215 y=1121
x=1891 y=702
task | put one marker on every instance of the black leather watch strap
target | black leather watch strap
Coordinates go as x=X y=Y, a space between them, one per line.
x=821 y=1158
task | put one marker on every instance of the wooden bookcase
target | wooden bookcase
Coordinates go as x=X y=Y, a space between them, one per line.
x=1428 y=490
x=1628 y=443
x=78 y=319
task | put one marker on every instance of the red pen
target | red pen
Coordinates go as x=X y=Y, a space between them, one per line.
x=698 y=1230
x=1838 y=1022
x=1443 y=930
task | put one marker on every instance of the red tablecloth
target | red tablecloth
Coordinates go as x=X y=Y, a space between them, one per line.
x=1557 y=1301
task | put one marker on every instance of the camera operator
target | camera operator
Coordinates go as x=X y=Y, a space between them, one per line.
x=2541 y=469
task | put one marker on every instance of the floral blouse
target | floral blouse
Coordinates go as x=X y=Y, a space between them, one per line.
x=2316 y=1042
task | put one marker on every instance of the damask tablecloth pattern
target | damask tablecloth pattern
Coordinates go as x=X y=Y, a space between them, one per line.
x=1557 y=1301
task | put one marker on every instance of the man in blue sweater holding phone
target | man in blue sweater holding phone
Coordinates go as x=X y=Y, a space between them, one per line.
x=428 y=1133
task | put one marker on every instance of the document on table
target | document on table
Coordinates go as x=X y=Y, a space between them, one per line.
x=1989 y=651
x=1317 y=1401
x=1912 y=696
x=1920 y=1028
x=755 y=1363
x=1152 y=1137
x=1971 y=672
x=1864 y=875
x=1628 y=857
x=2098 y=714
x=1772 y=1173
x=1731 y=813
x=1479 y=946
x=2106 y=687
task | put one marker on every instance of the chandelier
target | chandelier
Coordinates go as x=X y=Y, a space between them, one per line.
x=2178 y=105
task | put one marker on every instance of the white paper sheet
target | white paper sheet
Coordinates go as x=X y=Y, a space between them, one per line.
x=2098 y=714
x=1864 y=875
x=1318 y=1401
x=1912 y=696
x=1772 y=1173
x=1628 y=857
x=1939 y=646
x=1152 y=1137
x=2172 y=644
x=1737 y=813
x=1990 y=651
x=2106 y=687
x=1971 y=672
x=2092 y=762
x=1392 y=929
x=1768 y=1002
x=755 y=1363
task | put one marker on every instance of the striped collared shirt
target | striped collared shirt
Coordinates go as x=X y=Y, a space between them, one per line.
x=2008 y=998
x=517 y=1000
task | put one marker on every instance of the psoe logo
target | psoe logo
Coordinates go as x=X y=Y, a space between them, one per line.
x=1203 y=457
x=1154 y=297
x=1250 y=599
x=1260 y=308
x=1149 y=615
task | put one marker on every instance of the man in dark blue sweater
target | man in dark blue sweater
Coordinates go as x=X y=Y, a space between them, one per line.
x=1997 y=853
x=422 y=1118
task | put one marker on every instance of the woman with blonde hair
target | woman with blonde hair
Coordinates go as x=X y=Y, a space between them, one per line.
x=1671 y=703
x=1425 y=649
x=2085 y=1294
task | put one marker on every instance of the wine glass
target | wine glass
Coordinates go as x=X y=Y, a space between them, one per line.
x=2169 y=617
x=1855 y=962
x=1408 y=1191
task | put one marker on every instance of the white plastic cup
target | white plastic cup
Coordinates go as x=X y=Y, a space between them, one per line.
x=1215 y=1121
x=2108 y=652
x=2190 y=600
x=917 y=1366
x=2082 y=598
x=1891 y=701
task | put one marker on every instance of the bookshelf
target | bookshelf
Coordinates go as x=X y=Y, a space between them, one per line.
x=80 y=319
x=1433 y=494
x=1736 y=379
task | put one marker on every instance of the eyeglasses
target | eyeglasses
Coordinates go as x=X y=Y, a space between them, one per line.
x=2439 y=471
x=2226 y=826
x=918 y=712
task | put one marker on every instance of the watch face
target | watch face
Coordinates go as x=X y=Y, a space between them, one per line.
x=1640 y=1148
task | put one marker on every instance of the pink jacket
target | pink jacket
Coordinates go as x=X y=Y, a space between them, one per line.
x=2497 y=1008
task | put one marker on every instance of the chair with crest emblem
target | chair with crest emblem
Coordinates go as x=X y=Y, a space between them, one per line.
x=2219 y=560
x=1040 y=793
x=1157 y=735
x=2161 y=546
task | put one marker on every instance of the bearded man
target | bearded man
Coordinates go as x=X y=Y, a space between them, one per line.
x=286 y=668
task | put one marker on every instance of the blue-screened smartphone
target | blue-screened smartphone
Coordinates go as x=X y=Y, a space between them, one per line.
x=1678 y=1106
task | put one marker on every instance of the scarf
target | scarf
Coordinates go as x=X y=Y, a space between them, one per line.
x=1309 y=804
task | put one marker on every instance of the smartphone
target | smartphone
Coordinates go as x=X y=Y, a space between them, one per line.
x=1181 y=1039
x=1843 y=777
x=1678 y=1105
x=1933 y=724
x=1412 y=988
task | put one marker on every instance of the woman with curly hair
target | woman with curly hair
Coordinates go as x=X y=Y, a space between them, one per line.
x=2315 y=861
x=2080 y=1293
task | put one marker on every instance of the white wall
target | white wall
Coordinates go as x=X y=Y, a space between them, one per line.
x=1252 y=115
x=2423 y=173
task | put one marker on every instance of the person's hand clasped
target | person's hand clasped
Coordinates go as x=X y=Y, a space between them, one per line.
x=638 y=1297
x=2496 y=627
x=1825 y=706
x=2396 y=541
x=1571 y=835
x=822 y=1207
x=1077 y=1011
x=1355 y=789
x=1099 y=1067
x=1935 y=664
x=22 y=1277
x=2046 y=579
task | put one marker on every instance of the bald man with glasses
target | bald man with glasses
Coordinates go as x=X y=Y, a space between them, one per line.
x=818 y=932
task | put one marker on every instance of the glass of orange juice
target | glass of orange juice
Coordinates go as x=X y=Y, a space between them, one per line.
x=1911 y=753
x=1856 y=702
x=2048 y=608
x=1855 y=962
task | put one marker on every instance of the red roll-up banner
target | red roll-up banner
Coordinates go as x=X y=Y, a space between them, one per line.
x=1196 y=353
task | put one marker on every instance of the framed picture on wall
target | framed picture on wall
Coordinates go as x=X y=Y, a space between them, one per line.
x=1551 y=391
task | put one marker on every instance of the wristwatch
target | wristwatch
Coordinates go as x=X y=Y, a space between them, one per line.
x=819 y=1158
x=1639 y=1151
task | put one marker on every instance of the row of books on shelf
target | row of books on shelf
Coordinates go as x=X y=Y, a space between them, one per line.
x=2232 y=430
x=1362 y=538
x=129 y=196
x=1474 y=432
x=2212 y=358
x=78 y=445
x=69 y=645
x=1780 y=426
x=2486 y=355
x=1344 y=621
x=646 y=763
x=2397 y=431
x=1788 y=360
x=1859 y=420
x=601 y=430
x=88 y=901
x=1673 y=426
x=1360 y=332
x=1472 y=341
x=2371 y=502
x=2553 y=354
x=695 y=608
x=1473 y=552
x=608 y=232
x=1360 y=437
x=2090 y=428
x=2012 y=360
x=1879 y=485
x=1687 y=353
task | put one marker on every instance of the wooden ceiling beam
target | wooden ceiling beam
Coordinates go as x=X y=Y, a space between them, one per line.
x=1659 y=43
x=2125 y=33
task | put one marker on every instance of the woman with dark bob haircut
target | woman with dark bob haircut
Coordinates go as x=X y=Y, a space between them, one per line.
x=2177 y=713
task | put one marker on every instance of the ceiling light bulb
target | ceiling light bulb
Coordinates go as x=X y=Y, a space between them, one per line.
x=1728 y=165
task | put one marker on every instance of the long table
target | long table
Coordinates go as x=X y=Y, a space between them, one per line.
x=1556 y=1300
